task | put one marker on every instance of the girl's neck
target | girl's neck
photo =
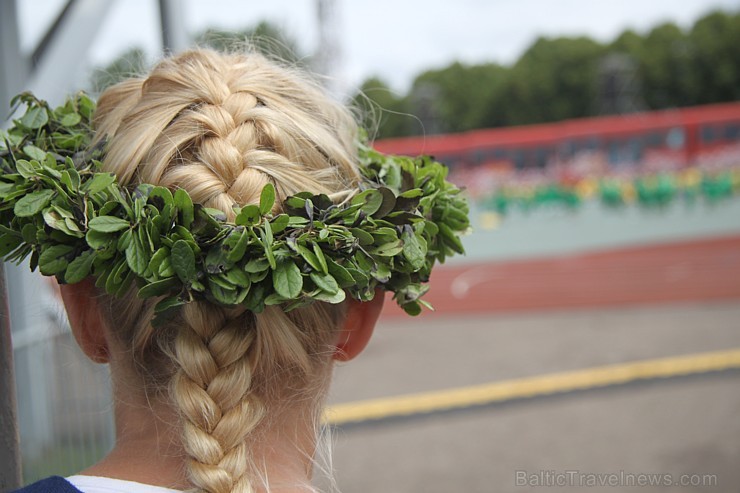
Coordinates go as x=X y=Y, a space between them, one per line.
x=148 y=450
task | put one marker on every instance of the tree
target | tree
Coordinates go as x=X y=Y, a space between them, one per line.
x=665 y=65
x=129 y=64
x=715 y=39
x=564 y=78
x=381 y=112
x=265 y=37
x=458 y=97
x=553 y=80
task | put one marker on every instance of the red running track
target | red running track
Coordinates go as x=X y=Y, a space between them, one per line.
x=696 y=270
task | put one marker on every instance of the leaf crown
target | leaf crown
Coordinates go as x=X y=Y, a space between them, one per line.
x=75 y=220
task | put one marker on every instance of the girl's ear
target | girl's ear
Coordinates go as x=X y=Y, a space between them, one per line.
x=358 y=326
x=85 y=320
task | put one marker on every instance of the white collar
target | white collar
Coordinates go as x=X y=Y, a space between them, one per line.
x=99 y=484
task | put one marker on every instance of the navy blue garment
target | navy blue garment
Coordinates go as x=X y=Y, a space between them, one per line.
x=54 y=484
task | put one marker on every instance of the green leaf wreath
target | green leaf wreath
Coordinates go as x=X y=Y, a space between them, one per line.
x=76 y=221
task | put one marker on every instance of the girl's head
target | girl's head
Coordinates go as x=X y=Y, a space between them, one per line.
x=221 y=127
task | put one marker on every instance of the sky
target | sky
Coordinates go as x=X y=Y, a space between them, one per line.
x=392 y=39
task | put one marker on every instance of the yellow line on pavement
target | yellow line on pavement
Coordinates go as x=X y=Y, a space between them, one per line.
x=553 y=383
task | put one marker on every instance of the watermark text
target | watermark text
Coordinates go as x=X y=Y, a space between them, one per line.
x=575 y=478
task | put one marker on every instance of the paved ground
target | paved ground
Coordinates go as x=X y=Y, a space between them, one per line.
x=679 y=426
x=691 y=270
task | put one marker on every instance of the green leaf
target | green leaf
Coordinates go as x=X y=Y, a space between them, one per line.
x=29 y=233
x=297 y=203
x=217 y=260
x=122 y=287
x=334 y=298
x=361 y=279
x=6 y=188
x=53 y=259
x=158 y=288
x=274 y=299
x=309 y=257
x=35 y=118
x=124 y=240
x=414 y=250
x=240 y=247
x=325 y=281
x=183 y=261
x=66 y=179
x=287 y=279
x=389 y=249
x=184 y=204
x=453 y=241
x=389 y=202
x=267 y=245
x=222 y=281
x=164 y=309
x=364 y=237
x=99 y=182
x=413 y=193
x=321 y=258
x=371 y=201
x=108 y=224
x=8 y=243
x=79 y=268
x=259 y=276
x=216 y=214
x=34 y=153
x=86 y=105
x=33 y=203
x=385 y=234
x=136 y=255
x=413 y=308
x=158 y=258
x=248 y=216
x=54 y=219
x=295 y=221
x=267 y=198
x=279 y=223
x=340 y=274
x=165 y=268
x=161 y=197
x=257 y=265
x=168 y=304
x=221 y=295
x=381 y=272
x=25 y=168
x=70 y=119
x=238 y=277
x=268 y=233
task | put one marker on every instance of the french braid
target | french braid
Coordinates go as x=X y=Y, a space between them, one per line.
x=221 y=127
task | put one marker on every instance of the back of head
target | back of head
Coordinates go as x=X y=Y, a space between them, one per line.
x=221 y=127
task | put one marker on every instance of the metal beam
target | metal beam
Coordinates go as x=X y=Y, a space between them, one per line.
x=58 y=68
x=14 y=66
x=10 y=471
x=172 y=19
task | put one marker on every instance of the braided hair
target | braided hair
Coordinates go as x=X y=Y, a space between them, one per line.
x=221 y=127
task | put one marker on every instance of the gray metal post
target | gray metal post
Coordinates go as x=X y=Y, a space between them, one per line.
x=172 y=20
x=58 y=70
x=14 y=66
x=10 y=462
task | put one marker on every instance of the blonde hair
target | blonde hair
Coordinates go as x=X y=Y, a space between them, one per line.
x=221 y=127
